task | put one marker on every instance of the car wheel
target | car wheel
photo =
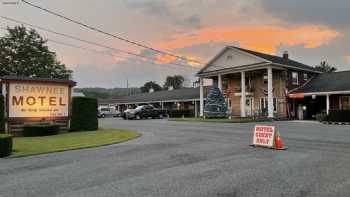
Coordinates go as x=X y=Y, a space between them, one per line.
x=102 y=116
x=160 y=116
x=138 y=117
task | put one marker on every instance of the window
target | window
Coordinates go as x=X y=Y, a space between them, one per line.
x=264 y=104
x=229 y=57
x=295 y=78
x=265 y=78
x=345 y=102
x=305 y=76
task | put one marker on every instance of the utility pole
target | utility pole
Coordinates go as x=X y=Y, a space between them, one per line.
x=127 y=86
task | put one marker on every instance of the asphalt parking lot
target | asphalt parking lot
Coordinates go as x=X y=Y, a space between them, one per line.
x=191 y=159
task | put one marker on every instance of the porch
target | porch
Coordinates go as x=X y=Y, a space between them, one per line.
x=251 y=93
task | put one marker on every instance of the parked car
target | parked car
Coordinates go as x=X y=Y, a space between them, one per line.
x=144 y=111
x=107 y=112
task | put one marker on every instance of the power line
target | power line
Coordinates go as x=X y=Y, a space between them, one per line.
x=101 y=52
x=104 y=53
x=109 y=34
x=91 y=43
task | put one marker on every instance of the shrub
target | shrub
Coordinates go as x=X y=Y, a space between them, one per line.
x=2 y=114
x=180 y=113
x=84 y=114
x=5 y=145
x=321 y=117
x=339 y=115
x=40 y=129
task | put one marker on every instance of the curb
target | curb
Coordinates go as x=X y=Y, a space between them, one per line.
x=336 y=123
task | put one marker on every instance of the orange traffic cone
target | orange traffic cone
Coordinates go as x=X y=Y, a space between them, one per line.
x=278 y=142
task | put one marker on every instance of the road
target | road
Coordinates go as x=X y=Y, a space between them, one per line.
x=191 y=159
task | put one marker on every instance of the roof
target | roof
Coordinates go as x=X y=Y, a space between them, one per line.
x=269 y=58
x=326 y=82
x=278 y=59
x=165 y=95
x=38 y=79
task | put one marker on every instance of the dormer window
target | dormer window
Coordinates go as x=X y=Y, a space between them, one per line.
x=295 y=78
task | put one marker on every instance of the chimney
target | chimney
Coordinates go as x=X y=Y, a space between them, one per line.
x=285 y=55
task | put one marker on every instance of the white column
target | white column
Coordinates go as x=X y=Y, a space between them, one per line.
x=201 y=97
x=270 y=93
x=327 y=104
x=220 y=82
x=243 y=94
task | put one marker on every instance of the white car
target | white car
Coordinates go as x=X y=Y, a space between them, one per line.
x=107 y=111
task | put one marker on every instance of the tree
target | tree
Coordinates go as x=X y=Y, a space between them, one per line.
x=215 y=106
x=325 y=67
x=24 y=53
x=175 y=81
x=150 y=85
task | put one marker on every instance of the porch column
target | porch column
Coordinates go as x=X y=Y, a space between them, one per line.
x=201 y=97
x=269 y=93
x=243 y=94
x=327 y=104
x=220 y=82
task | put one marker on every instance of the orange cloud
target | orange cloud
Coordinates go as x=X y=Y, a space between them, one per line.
x=347 y=57
x=164 y=59
x=262 y=38
x=191 y=60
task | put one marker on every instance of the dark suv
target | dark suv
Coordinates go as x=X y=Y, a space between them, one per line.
x=144 y=111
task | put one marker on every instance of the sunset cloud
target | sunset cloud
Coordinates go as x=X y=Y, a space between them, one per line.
x=164 y=59
x=262 y=38
x=347 y=57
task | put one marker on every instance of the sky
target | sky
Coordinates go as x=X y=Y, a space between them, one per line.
x=311 y=31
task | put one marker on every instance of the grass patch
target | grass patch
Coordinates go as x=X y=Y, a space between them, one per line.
x=25 y=146
x=222 y=120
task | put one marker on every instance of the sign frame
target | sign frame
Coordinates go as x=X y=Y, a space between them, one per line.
x=14 y=125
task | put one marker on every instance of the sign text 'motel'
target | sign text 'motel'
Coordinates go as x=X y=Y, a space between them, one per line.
x=38 y=100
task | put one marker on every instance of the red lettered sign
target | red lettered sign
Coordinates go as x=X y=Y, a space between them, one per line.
x=264 y=135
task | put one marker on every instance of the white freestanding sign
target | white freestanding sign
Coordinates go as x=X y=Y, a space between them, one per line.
x=38 y=100
x=264 y=136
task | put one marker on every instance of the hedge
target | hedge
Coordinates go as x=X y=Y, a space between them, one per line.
x=339 y=116
x=5 y=145
x=84 y=114
x=180 y=113
x=2 y=114
x=40 y=129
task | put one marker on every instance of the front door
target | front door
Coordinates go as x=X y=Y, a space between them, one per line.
x=249 y=106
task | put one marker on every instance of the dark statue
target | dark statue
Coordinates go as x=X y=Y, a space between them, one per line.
x=216 y=106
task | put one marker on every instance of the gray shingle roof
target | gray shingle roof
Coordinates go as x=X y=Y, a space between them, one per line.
x=277 y=59
x=326 y=82
x=165 y=95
